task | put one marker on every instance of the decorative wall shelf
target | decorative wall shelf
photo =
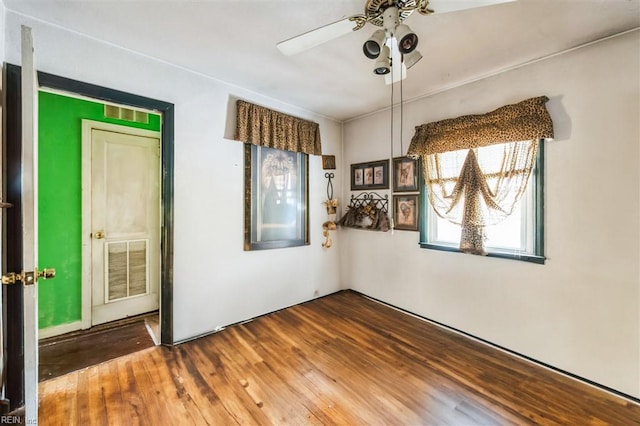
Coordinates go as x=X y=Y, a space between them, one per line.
x=379 y=201
x=367 y=210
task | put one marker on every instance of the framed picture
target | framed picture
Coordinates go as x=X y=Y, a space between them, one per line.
x=372 y=175
x=406 y=174
x=358 y=178
x=405 y=212
x=368 y=176
x=276 y=198
x=328 y=162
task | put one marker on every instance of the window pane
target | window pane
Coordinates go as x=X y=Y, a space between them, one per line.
x=275 y=198
x=517 y=235
x=508 y=233
x=445 y=231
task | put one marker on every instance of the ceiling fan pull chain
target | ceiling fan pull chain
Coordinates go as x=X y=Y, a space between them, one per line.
x=401 y=114
x=391 y=71
x=390 y=213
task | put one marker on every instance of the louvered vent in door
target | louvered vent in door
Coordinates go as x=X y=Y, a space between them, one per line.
x=127 y=269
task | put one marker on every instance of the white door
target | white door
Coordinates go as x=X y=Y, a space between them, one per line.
x=124 y=222
x=29 y=189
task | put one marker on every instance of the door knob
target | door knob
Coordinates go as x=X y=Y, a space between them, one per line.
x=98 y=235
x=47 y=273
x=29 y=278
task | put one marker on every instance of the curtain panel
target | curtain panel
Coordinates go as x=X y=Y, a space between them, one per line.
x=477 y=167
x=484 y=188
x=265 y=127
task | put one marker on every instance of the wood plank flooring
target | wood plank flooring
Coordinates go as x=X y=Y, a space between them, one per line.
x=62 y=354
x=342 y=359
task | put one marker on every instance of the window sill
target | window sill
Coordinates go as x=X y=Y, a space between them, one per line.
x=498 y=254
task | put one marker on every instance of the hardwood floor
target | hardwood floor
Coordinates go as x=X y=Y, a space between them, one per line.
x=342 y=359
x=62 y=354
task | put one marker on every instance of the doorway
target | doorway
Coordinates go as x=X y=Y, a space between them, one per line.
x=166 y=112
x=121 y=222
x=15 y=331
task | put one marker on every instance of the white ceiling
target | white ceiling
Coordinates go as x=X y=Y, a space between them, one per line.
x=235 y=41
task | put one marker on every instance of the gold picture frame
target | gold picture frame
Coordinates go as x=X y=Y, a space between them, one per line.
x=328 y=162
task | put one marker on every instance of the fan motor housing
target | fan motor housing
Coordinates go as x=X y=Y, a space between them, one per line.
x=374 y=9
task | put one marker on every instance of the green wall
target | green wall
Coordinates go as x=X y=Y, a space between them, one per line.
x=60 y=201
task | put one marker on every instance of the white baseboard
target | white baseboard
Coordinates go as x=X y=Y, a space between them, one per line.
x=57 y=330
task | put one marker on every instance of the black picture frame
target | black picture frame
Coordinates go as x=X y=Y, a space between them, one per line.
x=406 y=174
x=370 y=175
x=276 y=198
x=405 y=211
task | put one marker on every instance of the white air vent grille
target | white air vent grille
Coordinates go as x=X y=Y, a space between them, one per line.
x=127 y=266
x=127 y=114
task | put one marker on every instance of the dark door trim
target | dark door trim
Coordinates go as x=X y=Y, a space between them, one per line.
x=166 y=234
x=13 y=294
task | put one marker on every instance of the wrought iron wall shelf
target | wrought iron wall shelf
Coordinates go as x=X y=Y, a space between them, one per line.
x=380 y=202
x=367 y=210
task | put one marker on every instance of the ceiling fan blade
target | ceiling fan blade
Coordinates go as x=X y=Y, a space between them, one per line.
x=444 y=6
x=316 y=37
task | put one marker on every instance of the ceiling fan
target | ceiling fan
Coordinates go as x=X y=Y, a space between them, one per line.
x=393 y=46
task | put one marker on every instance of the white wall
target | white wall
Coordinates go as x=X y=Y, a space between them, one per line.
x=2 y=25
x=578 y=312
x=216 y=283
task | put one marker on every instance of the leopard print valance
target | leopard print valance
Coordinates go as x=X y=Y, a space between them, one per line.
x=526 y=120
x=265 y=127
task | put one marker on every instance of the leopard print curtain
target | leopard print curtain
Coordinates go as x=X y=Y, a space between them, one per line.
x=477 y=167
x=523 y=121
x=265 y=127
x=479 y=187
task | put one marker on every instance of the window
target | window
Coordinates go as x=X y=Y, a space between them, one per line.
x=276 y=175
x=519 y=236
x=276 y=198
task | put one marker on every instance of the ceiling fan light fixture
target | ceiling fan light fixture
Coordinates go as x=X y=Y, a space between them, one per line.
x=372 y=47
x=390 y=18
x=383 y=65
x=410 y=59
x=407 y=39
